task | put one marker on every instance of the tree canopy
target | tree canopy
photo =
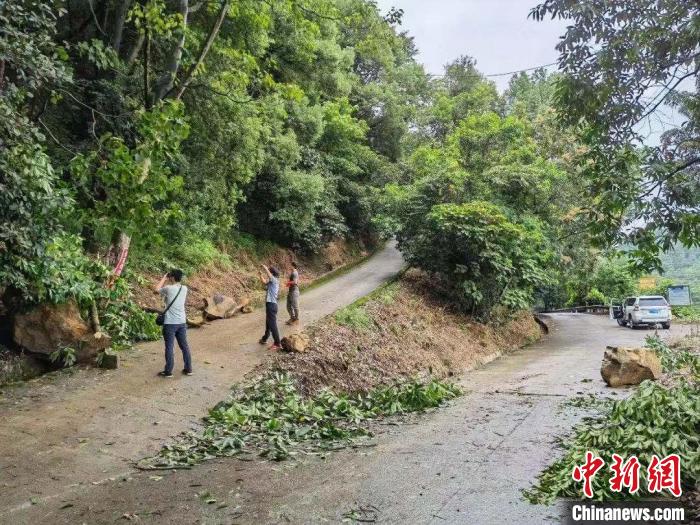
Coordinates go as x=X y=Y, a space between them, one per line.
x=624 y=66
x=130 y=127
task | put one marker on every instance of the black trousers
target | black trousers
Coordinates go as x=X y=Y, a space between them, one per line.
x=271 y=323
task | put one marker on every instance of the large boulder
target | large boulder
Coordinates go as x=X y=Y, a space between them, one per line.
x=295 y=343
x=629 y=366
x=222 y=307
x=50 y=327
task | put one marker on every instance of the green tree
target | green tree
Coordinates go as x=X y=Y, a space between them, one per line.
x=621 y=67
x=31 y=203
x=480 y=257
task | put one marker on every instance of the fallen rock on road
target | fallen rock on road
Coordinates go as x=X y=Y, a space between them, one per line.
x=629 y=366
x=222 y=307
x=50 y=327
x=295 y=343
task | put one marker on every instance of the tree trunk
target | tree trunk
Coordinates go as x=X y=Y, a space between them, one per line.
x=133 y=55
x=177 y=92
x=119 y=249
x=117 y=255
x=165 y=83
x=118 y=30
x=146 y=64
x=95 y=318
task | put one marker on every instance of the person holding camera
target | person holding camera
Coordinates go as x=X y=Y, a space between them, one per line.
x=174 y=321
x=271 y=281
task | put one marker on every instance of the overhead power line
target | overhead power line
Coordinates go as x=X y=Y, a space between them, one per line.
x=506 y=73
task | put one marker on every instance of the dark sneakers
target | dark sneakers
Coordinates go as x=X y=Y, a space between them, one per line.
x=169 y=374
x=263 y=341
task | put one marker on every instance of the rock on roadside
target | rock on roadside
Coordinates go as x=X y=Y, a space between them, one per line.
x=197 y=320
x=629 y=366
x=295 y=343
x=222 y=307
x=50 y=327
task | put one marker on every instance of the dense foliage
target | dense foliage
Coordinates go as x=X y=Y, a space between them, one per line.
x=625 y=64
x=488 y=204
x=168 y=129
x=148 y=124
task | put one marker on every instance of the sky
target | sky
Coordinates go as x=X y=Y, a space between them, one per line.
x=500 y=36
x=497 y=33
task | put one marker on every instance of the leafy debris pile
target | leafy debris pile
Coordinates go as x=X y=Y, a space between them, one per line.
x=660 y=418
x=270 y=417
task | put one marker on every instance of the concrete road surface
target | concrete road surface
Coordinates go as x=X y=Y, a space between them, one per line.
x=466 y=463
x=64 y=434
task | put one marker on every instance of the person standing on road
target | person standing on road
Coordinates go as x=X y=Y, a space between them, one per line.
x=271 y=280
x=174 y=321
x=293 y=295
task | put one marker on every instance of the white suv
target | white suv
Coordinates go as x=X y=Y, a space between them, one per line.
x=645 y=310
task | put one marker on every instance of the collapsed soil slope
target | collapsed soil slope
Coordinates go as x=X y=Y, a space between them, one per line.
x=400 y=331
x=240 y=279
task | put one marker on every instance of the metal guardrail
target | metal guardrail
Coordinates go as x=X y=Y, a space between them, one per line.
x=586 y=309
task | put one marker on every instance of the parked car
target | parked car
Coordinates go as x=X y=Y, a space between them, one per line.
x=643 y=310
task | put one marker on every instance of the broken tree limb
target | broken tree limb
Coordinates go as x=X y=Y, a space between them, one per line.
x=166 y=81
x=177 y=92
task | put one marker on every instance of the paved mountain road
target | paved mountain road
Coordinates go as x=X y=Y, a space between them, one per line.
x=61 y=435
x=466 y=463
x=463 y=464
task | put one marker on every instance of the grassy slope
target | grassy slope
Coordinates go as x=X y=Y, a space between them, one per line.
x=398 y=332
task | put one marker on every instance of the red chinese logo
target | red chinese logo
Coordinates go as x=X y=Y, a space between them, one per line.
x=661 y=474
x=586 y=472
x=665 y=474
x=625 y=474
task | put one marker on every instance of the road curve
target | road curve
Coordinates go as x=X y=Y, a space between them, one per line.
x=465 y=463
x=64 y=434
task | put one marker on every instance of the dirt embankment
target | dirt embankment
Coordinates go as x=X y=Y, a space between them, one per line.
x=398 y=332
x=239 y=279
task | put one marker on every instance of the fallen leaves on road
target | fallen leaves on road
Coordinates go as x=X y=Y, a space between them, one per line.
x=269 y=416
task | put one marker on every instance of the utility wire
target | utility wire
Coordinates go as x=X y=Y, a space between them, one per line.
x=503 y=74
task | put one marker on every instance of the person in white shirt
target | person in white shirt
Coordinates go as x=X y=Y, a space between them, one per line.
x=174 y=295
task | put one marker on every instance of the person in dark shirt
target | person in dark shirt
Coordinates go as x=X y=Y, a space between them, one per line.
x=293 y=295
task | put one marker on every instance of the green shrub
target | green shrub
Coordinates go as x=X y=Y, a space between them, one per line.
x=128 y=323
x=595 y=296
x=124 y=320
x=690 y=314
x=676 y=357
x=261 y=248
x=653 y=421
x=189 y=254
x=354 y=316
x=63 y=356
x=484 y=259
